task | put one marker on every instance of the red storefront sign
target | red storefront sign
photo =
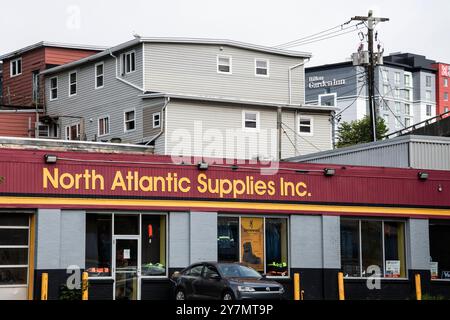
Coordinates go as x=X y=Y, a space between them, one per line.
x=138 y=182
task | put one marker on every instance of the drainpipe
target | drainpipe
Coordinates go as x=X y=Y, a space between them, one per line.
x=123 y=80
x=290 y=77
x=162 y=121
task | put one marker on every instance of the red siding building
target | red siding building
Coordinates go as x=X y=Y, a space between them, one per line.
x=442 y=87
x=21 y=85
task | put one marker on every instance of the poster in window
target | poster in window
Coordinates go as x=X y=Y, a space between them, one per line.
x=434 y=270
x=252 y=243
x=393 y=268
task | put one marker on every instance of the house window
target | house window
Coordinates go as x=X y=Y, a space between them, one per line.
x=261 y=67
x=398 y=109
x=257 y=242
x=224 y=64
x=407 y=94
x=428 y=110
x=43 y=130
x=250 y=120
x=103 y=126
x=129 y=120
x=407 y=78
x=373 y=247
x=53 y=88
x=445 y=82
x=98 y=245
x=16 y=67
x=428 y=95
x=328 y=99
x=72 y=84
x=73 y=132
x=385 y=75
x=128 y=62
x=397 y=78
x=157 y=120
x=445 y=96
x=407 y=108
x=428 y=81
x=305 y=125
x=99 y=75
x=439 y=249
x=385 y=89
x=407 y=122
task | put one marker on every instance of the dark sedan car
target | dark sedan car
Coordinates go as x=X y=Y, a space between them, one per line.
x=224 y=281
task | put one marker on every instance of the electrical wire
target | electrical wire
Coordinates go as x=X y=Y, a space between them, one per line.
x=324 y=37
x=313 y=35
x=387 y=105
x=306 y=140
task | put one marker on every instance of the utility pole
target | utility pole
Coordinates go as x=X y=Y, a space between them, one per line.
x=371 y=22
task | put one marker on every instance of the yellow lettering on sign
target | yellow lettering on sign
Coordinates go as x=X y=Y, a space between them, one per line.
x=119 y=182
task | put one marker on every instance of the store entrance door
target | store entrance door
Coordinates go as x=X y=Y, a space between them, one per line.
x=126 y=268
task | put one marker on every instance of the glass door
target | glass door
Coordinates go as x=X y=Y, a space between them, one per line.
x=126 y=270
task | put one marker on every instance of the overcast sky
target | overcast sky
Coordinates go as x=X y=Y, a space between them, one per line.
x=417 y=26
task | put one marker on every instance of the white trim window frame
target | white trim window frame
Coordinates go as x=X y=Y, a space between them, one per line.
x=267 y=68
x=127 y=121
x=321 y=96
x=156 y=120
x=68 y=131
x=310 y=125
x=73 y=84
x=99 y=76
x=229 y=65
x=104 y=127
x=129 y=62
x=54 y=89
x=15 y=67
x=255 y=120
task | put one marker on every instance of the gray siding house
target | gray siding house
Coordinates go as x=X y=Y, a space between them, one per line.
x=211 y=98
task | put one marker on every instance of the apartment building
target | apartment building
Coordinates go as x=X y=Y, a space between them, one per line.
x=202 y=97
x=405 y=90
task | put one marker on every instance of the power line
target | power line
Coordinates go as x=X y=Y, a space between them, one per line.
x=387 y=105
x=324 y=37
x=310 y=143
x=290 y=140
x=346 y=92
x=289 y=43
x=357 y=96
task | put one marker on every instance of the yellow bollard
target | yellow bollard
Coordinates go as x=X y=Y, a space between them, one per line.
x=84 y=286
x=418 y=287
x=341 y=286
x=296 y=286
x=44 y=286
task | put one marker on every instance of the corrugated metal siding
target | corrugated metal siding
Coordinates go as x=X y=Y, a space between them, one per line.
x=426 y=155
x=17 y=124
x=90 y=103
x=384 y=156
x=192 y=69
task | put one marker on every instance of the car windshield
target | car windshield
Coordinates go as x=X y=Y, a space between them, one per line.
x=230 y=270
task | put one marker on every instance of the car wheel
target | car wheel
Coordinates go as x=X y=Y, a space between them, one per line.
x=227 y=296
x=179 y=295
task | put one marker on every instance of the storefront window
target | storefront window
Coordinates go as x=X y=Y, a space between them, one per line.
x=126 y=224
x=276 y=247
x=14 y=237
x=439 y=249
x=263 y=243
x=98 y=245
x=252 y=243
x=228 y=239
x=373 y=248
x=350 y=248
x=153 y=245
